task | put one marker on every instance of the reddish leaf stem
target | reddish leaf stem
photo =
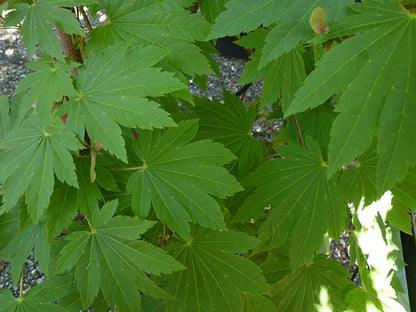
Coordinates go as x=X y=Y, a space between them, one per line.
x=299 y=132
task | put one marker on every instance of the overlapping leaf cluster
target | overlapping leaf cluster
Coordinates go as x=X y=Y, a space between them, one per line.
x=132 y=193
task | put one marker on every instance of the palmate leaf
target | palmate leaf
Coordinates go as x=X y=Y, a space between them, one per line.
x=111 y=258
x=49 y=82
x=30 y=303
x=291 y=19
x=29 y=157
x=282 y=78
x=404 y=200
x=215 y=275
x=230 y=124
x=179 y=178
x=210 y=9
x=378 y=99
x=112 y=89
x=39 y=16
x=360 y=180
x=163 y=23
x=302 y=290
x=32 y=237
x=303 y=201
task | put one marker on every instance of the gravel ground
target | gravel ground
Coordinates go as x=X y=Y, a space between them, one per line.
x=13 y=57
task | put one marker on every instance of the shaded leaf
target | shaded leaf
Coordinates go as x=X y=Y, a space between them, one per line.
x=215 y=275
x=300 y=197
x=230 y=124
x=302 y=291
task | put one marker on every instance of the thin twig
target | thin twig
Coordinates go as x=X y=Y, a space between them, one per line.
x=87 y=21
x=299 y=132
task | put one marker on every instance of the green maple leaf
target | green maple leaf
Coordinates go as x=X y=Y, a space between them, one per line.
x=30 y=155
x=8 y=227
x=164 y=23
x=361 y=299
x=360 y=180
x=39 y=16
x=62 y=209
x=301 y=291
x=31 y=302
x=111 y=258
x=49 y=83
x=374 y=71
x=211 y=9
x=258 y=304
x=302 y=200
x=291 y=18
x=282 y=78
x=215 y=275
x=19 y=248
x=230 y=124
x=179 y=178
x=403 y=202
x=5 y=118
x=112 y=88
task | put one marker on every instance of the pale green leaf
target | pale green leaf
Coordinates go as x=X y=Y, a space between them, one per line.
x=112 y=89
x=109 y=257
x=38 y=19
x=292 y=27
x=49 y=82
x=165 y=24
x=373 y=69
x=29 y=303
x=246 y=15
x=179 y=178
x=30 y=156
x=215 y=275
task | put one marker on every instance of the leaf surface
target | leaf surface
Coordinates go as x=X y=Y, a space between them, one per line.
x=215 y=275
x=30 y=155
x=111 y=258
x=49 y=82
x=179 y=178
x=372 y=69
x=300 y=196
x=165 y=24
x=38 y=18
x=301 y=291
x=112 y=88
x=230 y=124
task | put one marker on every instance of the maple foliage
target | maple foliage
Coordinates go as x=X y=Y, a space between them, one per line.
x=134 y=194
